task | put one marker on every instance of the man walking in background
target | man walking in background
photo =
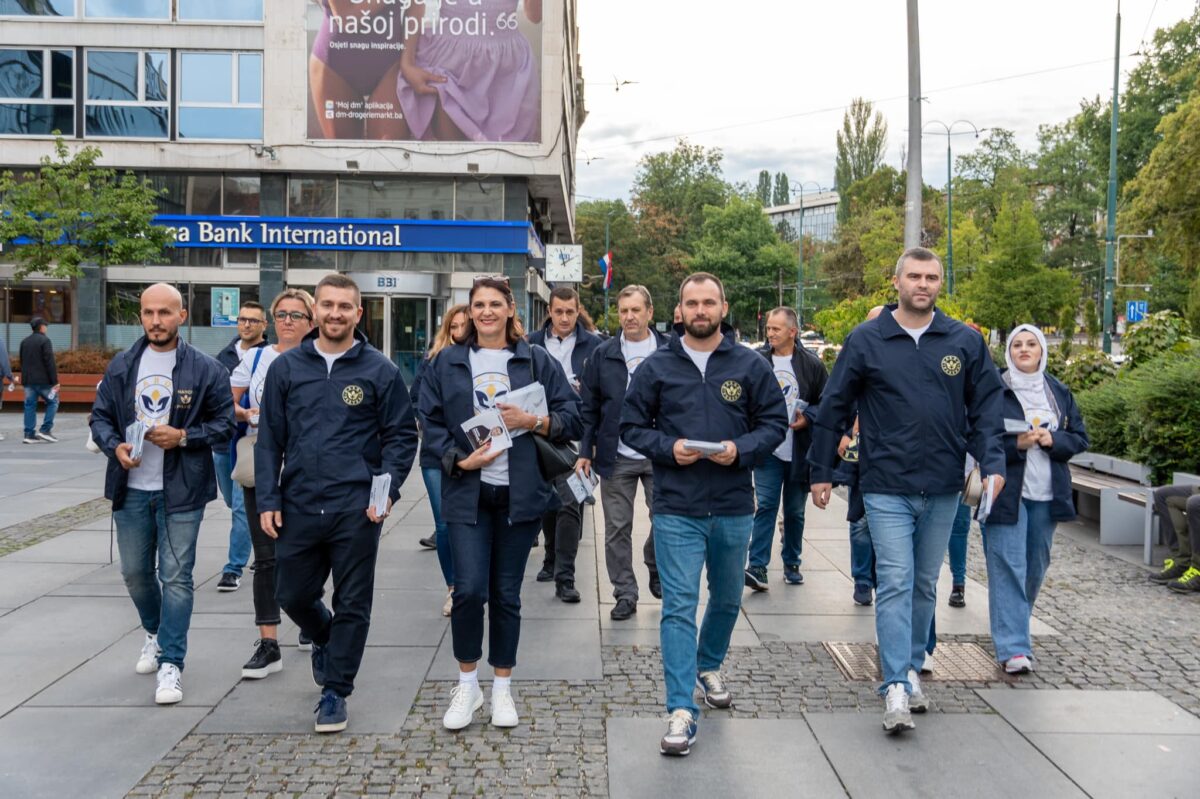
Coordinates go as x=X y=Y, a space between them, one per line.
x=7 y=381
x=39 y=373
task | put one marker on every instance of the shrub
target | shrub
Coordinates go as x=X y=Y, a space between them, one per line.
x=1105 y=414
x=1153 y=336
x=85 y=360
x=829 y=356
x=1087 y=369
x=1163 y=430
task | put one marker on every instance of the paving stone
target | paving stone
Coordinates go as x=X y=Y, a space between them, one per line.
x=1118 y=712
x=1119 y=766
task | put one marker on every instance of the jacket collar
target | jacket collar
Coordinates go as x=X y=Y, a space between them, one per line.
x=727 y=343
x=614 y=348
x=182 y=350
x=309 y=344
x=461 y=353
x=768 y=351
x=581 y=332
x=890 y=328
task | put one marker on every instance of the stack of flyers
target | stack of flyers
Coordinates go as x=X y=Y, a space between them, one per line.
x=135 y=437
x=704 y=447
x=578 y=487
x=488 y=425
x=381 y=486
x=985 y=501
x=1017 y=426
x=795 y=408
x=531 y=399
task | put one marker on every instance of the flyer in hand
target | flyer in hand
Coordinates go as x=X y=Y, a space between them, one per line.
x=135 y=437
x=487 y=425
x=381 y=486
x=531 y=399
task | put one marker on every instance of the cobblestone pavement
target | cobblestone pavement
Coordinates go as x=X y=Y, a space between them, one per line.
x=43 y=528
x=1117 y=631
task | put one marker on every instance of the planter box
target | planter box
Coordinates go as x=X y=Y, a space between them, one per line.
x=76 y=388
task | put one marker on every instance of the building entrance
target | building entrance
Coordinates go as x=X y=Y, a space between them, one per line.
x=399 y=327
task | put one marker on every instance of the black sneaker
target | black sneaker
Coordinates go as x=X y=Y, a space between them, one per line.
x=47 y=437
x=958 y=598
x=229 y=582
x=655 y=586
x=756 y=578
x=429 y=542
x=304 y=643
x=624 y=608
x=792 y=575
x=331 y=712
x=1172 y=570
x=546 y=575
x=318 y=664
x=266 y=660
x=567 y=593
x=862 y=594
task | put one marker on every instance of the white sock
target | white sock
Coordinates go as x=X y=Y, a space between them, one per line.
x=469 y=677
x=501 y=685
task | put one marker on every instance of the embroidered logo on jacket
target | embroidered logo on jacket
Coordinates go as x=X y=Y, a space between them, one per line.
x=352 y=395
x=731 y=391
x=951 y=365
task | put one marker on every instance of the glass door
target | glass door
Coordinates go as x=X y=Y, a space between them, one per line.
x=410 y=333
x=373 y=322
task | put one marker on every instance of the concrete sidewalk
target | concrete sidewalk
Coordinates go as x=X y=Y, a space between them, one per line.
x=75 y=720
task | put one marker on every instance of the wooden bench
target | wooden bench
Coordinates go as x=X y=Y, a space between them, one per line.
x=1098 y=481
x=1152 y=529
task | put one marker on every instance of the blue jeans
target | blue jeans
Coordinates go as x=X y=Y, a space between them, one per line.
x=31 y=399
x=146 y=534
x=433 y=487
x=683 y=547
x=239 y=533
x=1017 y=558
x=958 y=545
x=862 y=554
x=910 y=533
x=770 y=479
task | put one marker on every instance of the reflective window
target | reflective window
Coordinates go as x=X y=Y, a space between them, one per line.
x=224 y=10
x=478 y=199
x=127 y=9
x=361 y=198
x=220 y=96
x=37 y=92
x=37 y=8
x=187 y=193
x=127 y=93
x=312 y=196
x=242 y=195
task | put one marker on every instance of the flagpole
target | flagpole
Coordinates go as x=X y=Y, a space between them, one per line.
x=607 y=250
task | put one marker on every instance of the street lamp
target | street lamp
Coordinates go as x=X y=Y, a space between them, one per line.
x=800 y=265
x=949 y=195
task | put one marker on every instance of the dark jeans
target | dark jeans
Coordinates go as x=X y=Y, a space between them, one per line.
x=489 y=567
x=1170 y=504
x=562 y=528
x=309 y=548
x=31 y=401
x=266 y=608
x=959 y=533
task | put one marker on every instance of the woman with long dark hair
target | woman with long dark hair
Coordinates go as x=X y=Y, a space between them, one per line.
x=492 y=501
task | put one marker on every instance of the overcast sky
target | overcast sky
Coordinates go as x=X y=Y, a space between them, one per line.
x=700 y=65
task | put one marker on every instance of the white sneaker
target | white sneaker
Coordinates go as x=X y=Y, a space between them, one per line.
x=896 y=715
x=917 y=701
x=170 y=685
x=449 y=604
x=465 y=699
x=927 y=666
x=504 y=710
x=148 y=660
x=1021 y=664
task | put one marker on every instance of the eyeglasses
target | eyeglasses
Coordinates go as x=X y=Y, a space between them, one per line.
x=295 y=316
x=480 y=279
x=250 y=320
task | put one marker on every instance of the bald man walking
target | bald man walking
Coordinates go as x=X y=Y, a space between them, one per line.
x=181 y=396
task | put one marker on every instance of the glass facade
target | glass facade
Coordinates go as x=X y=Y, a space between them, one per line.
x=37 y=8
x=122 y=325
x=220 y=96
x=127 y=94
x=220 y=10
x=820 y=221
x=127 y=9
x=37 y=92
x=20 y=303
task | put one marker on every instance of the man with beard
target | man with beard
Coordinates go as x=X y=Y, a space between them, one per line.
x=926 y=392
x=182 y=398
x=705 y=388
x=335 y=415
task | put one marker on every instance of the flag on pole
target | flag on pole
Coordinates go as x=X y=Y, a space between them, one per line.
x=606 y=269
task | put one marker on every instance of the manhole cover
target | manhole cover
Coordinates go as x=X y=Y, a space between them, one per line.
x=952 y=661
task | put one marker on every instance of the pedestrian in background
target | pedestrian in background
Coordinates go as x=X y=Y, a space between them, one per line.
x=7 y=381
x=39 y=374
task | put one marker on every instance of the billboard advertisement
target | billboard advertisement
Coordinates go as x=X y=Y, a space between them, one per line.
x=425 y=70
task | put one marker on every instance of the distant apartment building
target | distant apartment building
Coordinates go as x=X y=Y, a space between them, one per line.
x=819 y=215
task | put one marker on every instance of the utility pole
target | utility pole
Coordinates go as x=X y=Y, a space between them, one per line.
x=950 y=198
x=1110 y=233
x=912 y=196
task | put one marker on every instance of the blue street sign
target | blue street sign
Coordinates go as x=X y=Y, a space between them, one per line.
x=1135 y=311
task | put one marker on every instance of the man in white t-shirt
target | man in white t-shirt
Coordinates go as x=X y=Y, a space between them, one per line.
x=181 y=398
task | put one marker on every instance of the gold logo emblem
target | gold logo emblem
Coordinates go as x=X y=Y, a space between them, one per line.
x=352 y=395
x=731 y=391
x=951 y=365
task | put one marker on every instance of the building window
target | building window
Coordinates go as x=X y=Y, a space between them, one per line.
x=478 y=200
x=221 y=10
x=37 y=92
x=127 y=9
x=220 y=96
x=37 y=8
x=313 y=197
x=127 y=94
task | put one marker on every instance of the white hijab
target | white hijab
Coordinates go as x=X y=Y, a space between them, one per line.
x=1030 y=387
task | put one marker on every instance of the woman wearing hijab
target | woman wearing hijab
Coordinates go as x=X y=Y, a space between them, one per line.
x=1019 y=531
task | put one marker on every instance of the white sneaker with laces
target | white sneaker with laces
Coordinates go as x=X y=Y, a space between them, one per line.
x=449 y=603
x=1021 y=664
x=465 y=699
x=896 y=715
x=148 y=659
x=170 y=685
x=917 y=701
x=504 y=710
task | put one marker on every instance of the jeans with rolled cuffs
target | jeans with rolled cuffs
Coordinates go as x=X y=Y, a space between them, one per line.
x=489 y=567
x=910 y=534
x=1018 y=556
x=158 y=553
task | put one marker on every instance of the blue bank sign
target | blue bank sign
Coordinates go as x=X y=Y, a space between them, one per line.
x=389 y=235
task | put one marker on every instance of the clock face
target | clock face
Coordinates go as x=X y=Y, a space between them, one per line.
x=564 y=263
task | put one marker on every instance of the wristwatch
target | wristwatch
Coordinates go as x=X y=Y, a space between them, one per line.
x=183 y=438
x=537 y=427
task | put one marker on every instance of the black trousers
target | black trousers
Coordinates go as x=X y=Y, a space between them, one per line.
x=562 y=529
x=310 y=547
x=266 y=608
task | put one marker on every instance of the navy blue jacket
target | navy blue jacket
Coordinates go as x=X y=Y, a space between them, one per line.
x=737 y=399
x=920 y=408
x=812 y=376
x=201 y=406
x=322 y=436
x=586 y=343
x=230 y=357
x=1070 y=439
x=602 y=389
x=429 y=458
x=446 y=402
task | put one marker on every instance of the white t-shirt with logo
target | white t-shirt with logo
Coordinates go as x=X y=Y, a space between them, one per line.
x=152 y=396
x=634 y=353
x=699 y=358
x=562 y=349
x=489 y=385
x=246 y=376
x=790 y=386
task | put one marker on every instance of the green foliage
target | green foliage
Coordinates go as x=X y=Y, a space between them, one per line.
x=677 y=185
x=1163 y=429
x=1089 y=367
x=1091 y=322
x=1066 y=328
x=782 y=195
x=1105 y=412
x=836 y=323
x=1072 y=189
x=763 y=191
x=996 y=171
x=1193 y=305
x=829 y=357
x=74 y=212
x=861 y=143
x=1153 y=336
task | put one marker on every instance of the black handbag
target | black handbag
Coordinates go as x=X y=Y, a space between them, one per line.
x=554 y=460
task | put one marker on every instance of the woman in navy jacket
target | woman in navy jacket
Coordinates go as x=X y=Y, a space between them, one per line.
x=1019 y=531
x=492 y=502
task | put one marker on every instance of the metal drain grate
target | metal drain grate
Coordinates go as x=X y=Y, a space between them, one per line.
x=952 y=662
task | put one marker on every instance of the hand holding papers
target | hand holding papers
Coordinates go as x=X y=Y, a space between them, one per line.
x=577 y=487
x=381 y=487
x=488 y=426
x=531 y=399
x=135 y=437
x=704 y=447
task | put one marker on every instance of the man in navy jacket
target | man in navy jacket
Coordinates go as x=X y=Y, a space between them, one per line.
x=182 y=397
x=926 y=393
x=334 y=415
x=703 y=387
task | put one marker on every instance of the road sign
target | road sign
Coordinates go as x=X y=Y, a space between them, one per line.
x=1135 y=311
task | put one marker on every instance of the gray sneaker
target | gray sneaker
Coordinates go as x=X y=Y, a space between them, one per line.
x=44 y=436
x=917 y=701
x=896 y=715
x=681 y=734
x=716 y=695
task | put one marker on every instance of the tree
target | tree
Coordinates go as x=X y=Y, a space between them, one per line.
x=783 y=193
x=861 y=144
x=995 y=171
x=1066 y=328
x=674 y=187
x=764 y=188
x=1070 y=192
x=1091 y=322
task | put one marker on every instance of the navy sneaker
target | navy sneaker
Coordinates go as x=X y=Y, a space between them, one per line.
x=304 y=643
x=862 y=594
x=318 y=664
x=331 y=712
x=792 y=575
x=756 y=578
x=681 y=734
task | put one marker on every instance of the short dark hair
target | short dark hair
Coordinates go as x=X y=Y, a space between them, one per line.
x=635 y=289
x=566 y=294
x=787 y=313
x=338 y=281
x=254 y=306
x=702 y=277
x=917 y=254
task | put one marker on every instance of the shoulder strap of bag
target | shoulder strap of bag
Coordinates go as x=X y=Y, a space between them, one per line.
x=245 y=401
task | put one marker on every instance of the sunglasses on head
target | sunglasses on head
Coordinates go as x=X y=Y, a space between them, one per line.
x=481 y=280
